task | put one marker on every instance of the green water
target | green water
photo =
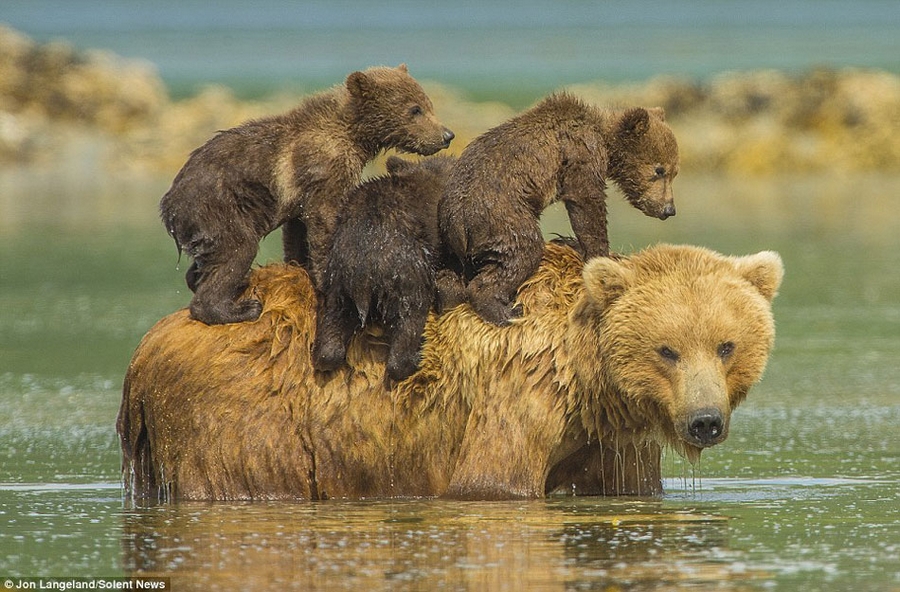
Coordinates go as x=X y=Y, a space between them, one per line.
x=803 y=494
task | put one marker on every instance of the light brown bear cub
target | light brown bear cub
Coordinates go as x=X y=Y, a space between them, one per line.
x=560 y=150
x=290 y=169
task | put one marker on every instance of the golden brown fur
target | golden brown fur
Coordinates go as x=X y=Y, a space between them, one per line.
x=570 y=397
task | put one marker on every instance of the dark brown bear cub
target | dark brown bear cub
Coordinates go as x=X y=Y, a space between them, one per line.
x=290 y=169
x=560 y=150
x=383 y=265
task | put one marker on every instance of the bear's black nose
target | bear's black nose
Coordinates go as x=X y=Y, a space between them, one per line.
x=705 y=426
x=667 y=212
x=448 y=136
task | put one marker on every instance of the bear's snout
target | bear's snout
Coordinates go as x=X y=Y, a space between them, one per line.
x=448 y=137
x=667 y=212
x=706 y=427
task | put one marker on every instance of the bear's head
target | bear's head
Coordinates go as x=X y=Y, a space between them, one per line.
x=682 y=334
x=392 y=111
x=644 y=160
x=417 y=190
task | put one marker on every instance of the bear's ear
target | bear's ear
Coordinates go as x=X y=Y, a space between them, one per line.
x=403 y=68
x=358 y=84
x=657 y=112
x=764 y=270
x=605 y=279
x=396 y=165
x=634 y=123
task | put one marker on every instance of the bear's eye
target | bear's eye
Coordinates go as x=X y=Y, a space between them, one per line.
x=668 y=354
x=725 y=350
x=415 y=110
x=660 y=171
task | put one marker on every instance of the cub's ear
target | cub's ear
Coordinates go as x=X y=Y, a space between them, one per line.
x=396 y=165
x=764 y=270
x=358 y=84
x=634 y=123
x=403 y=68
x=605 y=279
x=657 y=112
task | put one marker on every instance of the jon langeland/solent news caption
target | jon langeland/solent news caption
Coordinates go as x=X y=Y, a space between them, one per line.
x=123 y=583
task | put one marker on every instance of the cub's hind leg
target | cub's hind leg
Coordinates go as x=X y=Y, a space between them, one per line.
x=223 y=278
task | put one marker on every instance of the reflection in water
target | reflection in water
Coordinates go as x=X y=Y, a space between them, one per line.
x=552 y=544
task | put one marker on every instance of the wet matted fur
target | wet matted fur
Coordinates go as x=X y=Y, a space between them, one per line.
x=579 y=394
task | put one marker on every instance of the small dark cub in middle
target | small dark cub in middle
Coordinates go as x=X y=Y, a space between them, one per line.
x=385 y=265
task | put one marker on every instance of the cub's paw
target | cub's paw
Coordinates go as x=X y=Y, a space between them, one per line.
x=223 y=313
x=402 y=367
x=328 y=357
x=498 y=313
x=248 y=310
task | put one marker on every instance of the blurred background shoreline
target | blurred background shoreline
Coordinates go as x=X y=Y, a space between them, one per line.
x=512 y=52
x=778 y=87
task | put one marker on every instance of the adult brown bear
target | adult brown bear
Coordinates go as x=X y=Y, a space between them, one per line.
x=611 y=361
